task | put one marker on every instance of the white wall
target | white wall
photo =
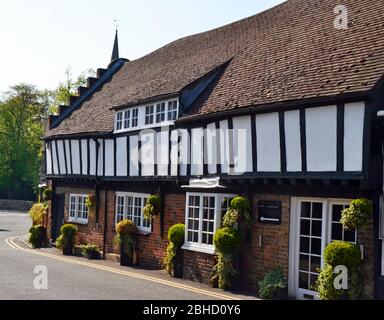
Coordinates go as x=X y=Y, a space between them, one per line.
x=68 y=156
x=133 y=156
x=185 y=145
x=55 y=160
x=60 y=150
x=292 y=140
x=197 y=139
x=100 y=158
x=48 y=157
x=242 y=144
x=92 y=157
x=75 y=156
x=212 y=142
x=268 y=142
x=162 y=144
x=174 y=152
x=109 y=157
x=321 y=136
x=84 y=156
x=224 y=156
x=353 y=136
x=121 y=157
x=147 y=154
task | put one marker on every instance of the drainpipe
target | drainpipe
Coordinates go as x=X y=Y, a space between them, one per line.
x=105 y=222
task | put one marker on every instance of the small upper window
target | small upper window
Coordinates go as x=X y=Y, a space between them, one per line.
x=119 y=121
x=127 y=114
x=135 y=115
x=160 y=112
x=149 y=115
x=172 y=110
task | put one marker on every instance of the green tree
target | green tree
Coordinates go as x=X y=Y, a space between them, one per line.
x=22 y=116
x=69 y=87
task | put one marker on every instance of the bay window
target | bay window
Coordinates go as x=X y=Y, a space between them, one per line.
x=130 y=206
x=203 y=216
x=78 y=211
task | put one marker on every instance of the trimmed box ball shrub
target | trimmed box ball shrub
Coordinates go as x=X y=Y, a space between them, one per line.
x=125 y=239
x=226 y=240
x=357 y=214
x=37 y=236
x=173 y=259
x=68 y=233
x=340 y=253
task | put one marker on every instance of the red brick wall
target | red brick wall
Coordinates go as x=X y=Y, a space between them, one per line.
x=150 y=248
x=257 y=260
x=198 y=266
x=365 y=238
x=88 y=233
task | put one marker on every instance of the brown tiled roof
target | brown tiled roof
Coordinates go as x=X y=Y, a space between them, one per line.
x=289 y=52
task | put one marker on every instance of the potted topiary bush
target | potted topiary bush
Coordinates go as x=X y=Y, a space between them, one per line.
x=90 y=251
x=357 y=214
x=226 y=241
x=125 y=239
x=90 y=203
x=273 y=285
x=66 y=241
x=37 y=236
x=340 y=253
x=152 y=207
x=173 y=260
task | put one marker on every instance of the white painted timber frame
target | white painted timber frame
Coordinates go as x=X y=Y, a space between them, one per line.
x=294 y=143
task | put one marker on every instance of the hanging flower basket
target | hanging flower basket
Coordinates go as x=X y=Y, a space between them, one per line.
x=152 y=207
x=357 y=214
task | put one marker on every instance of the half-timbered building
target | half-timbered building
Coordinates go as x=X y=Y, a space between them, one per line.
x=282 y=107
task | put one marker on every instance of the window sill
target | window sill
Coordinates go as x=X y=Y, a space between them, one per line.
x=144 y=232
x=83 y=223
x=199 y=248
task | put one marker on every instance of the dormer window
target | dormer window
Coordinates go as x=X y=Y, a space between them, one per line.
x=149 y=114
x=172 y=110
x=161 y=113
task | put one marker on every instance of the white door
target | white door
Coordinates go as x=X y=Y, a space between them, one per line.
x=314 y=223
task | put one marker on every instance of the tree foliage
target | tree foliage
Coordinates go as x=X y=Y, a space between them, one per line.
x=24 y=111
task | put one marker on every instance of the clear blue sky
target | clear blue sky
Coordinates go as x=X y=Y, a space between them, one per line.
x=40 y=38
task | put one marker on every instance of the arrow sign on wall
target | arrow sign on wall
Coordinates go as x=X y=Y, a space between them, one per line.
x=269 y=219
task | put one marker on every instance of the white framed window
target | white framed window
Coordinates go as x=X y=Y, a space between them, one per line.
x=160 y=112
x=149 y=110
x=127 y=118
x=78 y=211
x=172 y=110
x=135 y=116
x=119 y=121
x=336 y=231
x=203 y=215
x=130 y=206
